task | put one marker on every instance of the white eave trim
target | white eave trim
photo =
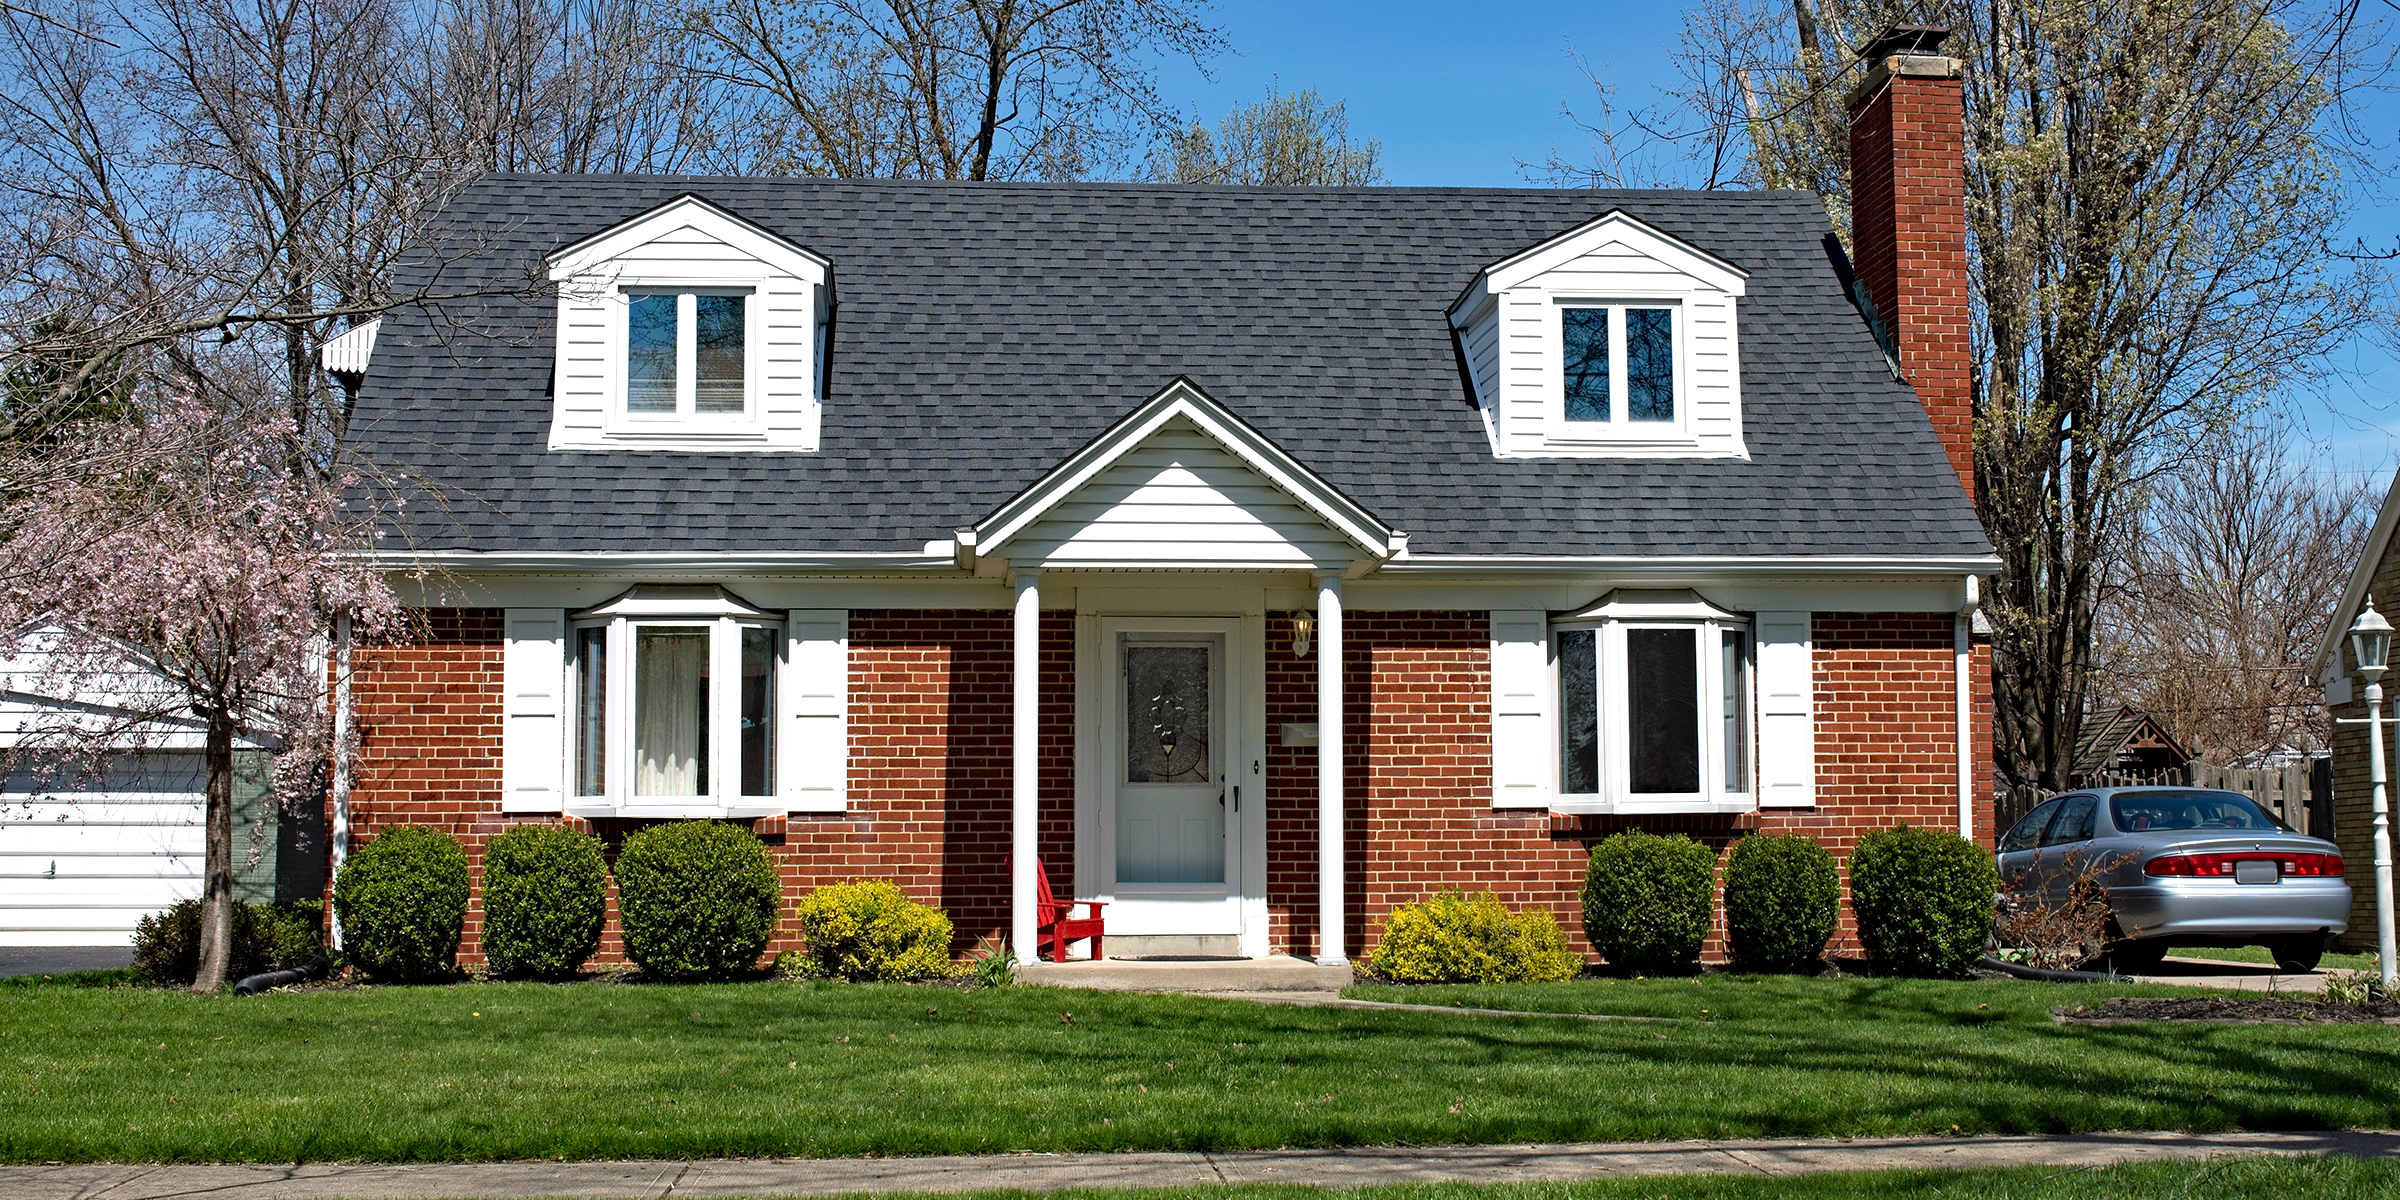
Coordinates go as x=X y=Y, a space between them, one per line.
x=2327 y=664
x=614 y=562
x=988 y=538
x=349 y=353
x=598 y=250
x=1614 y=225
x=1873 y=566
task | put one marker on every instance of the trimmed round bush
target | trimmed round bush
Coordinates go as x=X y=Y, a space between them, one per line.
x=1453 y=937
x=1646 y=901
x=870 y=929
x=1923 y=898
x=402 y=901
x=696 y=899
x=545 y=896
x=1782 y=897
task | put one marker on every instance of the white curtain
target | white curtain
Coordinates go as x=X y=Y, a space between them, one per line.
x=670 y=719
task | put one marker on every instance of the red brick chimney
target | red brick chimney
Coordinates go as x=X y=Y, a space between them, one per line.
x=1908 y=220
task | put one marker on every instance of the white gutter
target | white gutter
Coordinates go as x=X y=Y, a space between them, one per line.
x=1862 y=565
x=618 y=562
x=339 y=786
x=1963 y=647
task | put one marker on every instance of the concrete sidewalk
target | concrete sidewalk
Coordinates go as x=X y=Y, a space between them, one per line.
x=1052 y=1172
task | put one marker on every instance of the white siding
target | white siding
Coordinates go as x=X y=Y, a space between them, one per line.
x=79 y=868
x=1521 y=742
x=1181 y=499
x=1787 y=736
x=786 y=310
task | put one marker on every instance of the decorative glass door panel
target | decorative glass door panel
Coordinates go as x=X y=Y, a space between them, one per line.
x=1171 y=814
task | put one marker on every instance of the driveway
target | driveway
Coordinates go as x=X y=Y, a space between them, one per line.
x=58 y=960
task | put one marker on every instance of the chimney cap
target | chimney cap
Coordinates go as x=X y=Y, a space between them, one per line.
x=1905 y=39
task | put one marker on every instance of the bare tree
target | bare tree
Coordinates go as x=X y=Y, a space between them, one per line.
x=2152 y=192
x=2240 y=563
x=948 y=89
x=1289 y=139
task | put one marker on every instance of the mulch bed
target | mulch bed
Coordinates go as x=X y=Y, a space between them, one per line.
x=2251 y=1009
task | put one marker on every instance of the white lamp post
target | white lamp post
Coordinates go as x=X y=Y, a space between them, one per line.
x=2370 y=645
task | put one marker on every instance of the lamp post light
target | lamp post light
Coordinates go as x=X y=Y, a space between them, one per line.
x=2371 y=645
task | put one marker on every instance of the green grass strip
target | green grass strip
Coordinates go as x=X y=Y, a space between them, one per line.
x=521 y=1071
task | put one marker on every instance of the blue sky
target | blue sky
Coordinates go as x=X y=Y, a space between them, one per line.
x=1461 y=93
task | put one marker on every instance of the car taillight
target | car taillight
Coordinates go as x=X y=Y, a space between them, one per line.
x=2214 y=866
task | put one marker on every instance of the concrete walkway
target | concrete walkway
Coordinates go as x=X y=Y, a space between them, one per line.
x=1052 y=1172
x=2236 y=976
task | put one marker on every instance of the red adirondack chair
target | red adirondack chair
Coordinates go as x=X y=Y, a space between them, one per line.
x=1055 y=927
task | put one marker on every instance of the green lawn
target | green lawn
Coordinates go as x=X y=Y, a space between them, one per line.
x=509 y=1071
x=2315 y=1178
x=2259 y=955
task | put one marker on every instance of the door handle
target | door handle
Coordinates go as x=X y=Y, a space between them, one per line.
x=1237 y=797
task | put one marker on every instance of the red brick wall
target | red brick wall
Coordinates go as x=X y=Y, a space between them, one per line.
x=1908 y=224
x=930 y=776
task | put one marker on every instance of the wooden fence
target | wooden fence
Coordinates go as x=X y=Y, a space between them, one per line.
x=2300 y=795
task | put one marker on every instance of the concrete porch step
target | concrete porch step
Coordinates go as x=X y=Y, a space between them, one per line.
x=1277 y=973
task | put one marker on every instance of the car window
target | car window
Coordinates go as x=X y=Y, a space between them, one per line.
x=2141 y=812
x=2029 y=831
x=2073 y=822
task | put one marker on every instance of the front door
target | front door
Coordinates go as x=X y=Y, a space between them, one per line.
x=1172 y=817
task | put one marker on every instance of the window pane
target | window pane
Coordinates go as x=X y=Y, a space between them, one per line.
x=717 y=347
x=591 y=711
x=1736 y=670
x=650 y=328
x=758 y=711
x=1662 y=678
x=1585 y=336
x=1650 y=364
x=1166 y=715
x=670 y=711
x=2073 y=822
x=1579 y=711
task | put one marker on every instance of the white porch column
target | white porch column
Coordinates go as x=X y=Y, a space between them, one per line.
x=1330 y=951
x=1025 y=818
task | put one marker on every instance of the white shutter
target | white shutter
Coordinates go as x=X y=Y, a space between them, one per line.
x=533 y=752
x=816 y=746
x=1787 y=732
x=1520 y=708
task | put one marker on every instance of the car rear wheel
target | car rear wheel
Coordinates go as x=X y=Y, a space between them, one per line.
x=2297 y=954
x=2132 y=958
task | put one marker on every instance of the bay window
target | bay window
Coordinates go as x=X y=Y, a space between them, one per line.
x=1654 y=705
x=685 y=721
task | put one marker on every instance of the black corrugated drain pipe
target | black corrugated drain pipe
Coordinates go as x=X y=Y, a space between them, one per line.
x=251 y=985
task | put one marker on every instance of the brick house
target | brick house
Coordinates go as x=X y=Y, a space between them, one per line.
x=1256 y=559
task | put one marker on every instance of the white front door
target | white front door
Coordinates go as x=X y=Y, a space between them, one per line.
x=1173 y=772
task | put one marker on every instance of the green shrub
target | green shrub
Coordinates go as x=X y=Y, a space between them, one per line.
x=402 y=901
x=1923 y=898
x=872 y=930
x=545 y=896
x=1782 y=897
x=1452 y=937
x=266 y=937
x=696 y=899
x=1646 y=900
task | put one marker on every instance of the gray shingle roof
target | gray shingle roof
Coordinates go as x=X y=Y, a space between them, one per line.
x=985 y=331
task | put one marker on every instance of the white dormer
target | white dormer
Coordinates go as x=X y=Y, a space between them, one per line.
x=1613 y=340
x=688 y=328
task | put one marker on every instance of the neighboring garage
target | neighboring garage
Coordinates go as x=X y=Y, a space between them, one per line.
x=86 y=855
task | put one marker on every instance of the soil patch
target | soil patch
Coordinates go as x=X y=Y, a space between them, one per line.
x=2235 y=1009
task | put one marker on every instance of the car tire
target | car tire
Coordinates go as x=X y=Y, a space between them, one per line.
x=2132 y=958
x=2297 y=954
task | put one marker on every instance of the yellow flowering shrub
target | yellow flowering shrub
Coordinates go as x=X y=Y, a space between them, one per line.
x=1453 y=937
x=872 y=930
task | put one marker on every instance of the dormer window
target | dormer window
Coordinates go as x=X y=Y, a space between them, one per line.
x=687 y=328
x=1613 y=340
x=686 y=353
x=1616 y=365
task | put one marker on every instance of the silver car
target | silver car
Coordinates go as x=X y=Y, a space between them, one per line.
x=2185 y=867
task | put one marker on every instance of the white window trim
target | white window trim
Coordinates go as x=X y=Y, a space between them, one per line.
x=684 y=424
x=1620 y=431
x=725 y=617
x=1611 y=618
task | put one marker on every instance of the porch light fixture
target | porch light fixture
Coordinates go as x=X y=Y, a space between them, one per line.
x=2370 y=646
x=1304 y=629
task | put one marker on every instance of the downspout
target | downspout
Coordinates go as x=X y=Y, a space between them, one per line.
x=1962 y=645
x=339 y=787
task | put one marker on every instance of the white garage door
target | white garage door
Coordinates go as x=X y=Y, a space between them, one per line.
x=83 y=859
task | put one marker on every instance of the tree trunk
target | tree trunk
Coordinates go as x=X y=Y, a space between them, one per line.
x=216 y=888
